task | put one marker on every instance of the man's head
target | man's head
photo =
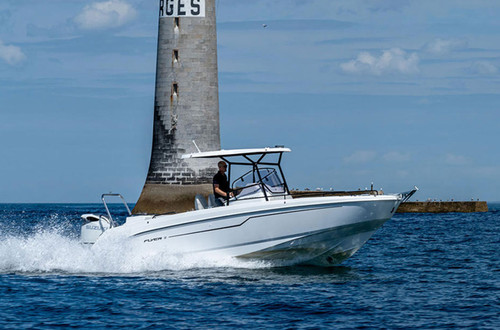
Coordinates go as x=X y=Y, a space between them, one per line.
x=222 y=166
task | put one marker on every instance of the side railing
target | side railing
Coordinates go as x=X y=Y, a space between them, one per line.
x=112 y=222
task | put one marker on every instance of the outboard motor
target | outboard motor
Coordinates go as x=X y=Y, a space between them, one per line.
x=94 y=226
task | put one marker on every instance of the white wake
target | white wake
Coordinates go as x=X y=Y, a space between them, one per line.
x=52 y=251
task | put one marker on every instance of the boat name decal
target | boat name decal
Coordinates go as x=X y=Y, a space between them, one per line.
x=150 y=240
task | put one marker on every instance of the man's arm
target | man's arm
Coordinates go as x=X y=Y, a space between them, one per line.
x=220 y=191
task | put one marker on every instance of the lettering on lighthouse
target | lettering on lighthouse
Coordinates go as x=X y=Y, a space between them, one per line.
x=182 y=8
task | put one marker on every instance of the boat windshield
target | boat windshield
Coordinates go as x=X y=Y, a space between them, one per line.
x=260 y=182
x=255 y=180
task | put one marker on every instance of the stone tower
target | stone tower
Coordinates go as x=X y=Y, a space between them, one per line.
x=186 y=107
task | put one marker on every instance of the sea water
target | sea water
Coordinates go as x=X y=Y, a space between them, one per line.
x=417 y=271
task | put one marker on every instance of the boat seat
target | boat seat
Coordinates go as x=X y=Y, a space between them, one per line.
x=200 y=202
x=211 y=201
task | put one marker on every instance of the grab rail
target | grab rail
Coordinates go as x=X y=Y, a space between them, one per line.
x=103 y=198
x=407 y=195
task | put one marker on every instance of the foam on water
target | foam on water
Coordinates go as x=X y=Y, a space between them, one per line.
x=53 y=251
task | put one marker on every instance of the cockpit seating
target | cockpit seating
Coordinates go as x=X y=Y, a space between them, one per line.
x=200 y=202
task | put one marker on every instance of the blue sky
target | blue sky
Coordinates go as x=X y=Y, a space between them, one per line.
x=397 y=92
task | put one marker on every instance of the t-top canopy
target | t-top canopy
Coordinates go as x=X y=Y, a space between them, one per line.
x=237 y=152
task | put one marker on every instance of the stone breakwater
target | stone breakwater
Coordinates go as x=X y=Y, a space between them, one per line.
x=408 y=207
x=443 y=207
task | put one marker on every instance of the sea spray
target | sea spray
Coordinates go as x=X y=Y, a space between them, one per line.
x=54 y=250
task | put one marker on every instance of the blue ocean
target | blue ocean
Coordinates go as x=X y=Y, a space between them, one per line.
x=417 y=271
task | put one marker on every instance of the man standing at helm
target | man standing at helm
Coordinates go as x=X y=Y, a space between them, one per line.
x=221 y=185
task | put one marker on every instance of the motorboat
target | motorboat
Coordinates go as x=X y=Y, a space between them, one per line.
x=261 y=221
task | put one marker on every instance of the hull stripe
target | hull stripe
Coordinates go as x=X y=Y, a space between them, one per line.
x=232 y=226
x=366 y=226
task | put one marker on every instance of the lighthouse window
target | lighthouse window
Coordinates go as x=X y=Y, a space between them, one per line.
x=176 y=55
x=175 y=89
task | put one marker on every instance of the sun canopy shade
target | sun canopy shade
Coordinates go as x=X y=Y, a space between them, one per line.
x=237 y=152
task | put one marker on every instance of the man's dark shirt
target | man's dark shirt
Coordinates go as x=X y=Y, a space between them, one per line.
x=221 y=180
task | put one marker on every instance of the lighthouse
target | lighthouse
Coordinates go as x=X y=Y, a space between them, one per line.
x=186 y=107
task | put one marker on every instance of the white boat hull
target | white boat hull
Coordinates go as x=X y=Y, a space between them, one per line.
x=319 y=231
